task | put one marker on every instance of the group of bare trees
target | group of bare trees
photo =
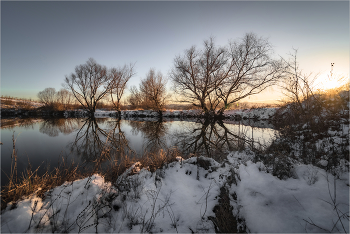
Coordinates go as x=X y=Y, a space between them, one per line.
x=212 y=79
x=305 y=98
x=91 y=82
x=59 y=100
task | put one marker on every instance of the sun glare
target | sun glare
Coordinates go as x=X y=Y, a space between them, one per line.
x=326 y=82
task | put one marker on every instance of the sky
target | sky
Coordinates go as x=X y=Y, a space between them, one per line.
x=43 y=41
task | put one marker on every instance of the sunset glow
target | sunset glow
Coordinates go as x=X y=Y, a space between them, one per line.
x=326 y=82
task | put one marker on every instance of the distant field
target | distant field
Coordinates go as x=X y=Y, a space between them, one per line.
x=14 y=103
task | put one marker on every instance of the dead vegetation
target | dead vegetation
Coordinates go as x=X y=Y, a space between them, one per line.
x=21 y=186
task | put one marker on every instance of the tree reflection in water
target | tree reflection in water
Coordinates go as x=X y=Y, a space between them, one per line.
x=53 y=126
x=95 y=144
x=212 y=139
x=207 y=138
x=101 y=139
x=11 y=123
x=154 y=134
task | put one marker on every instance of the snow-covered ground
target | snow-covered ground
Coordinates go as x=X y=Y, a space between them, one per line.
x=167 y=113
x=257 y=113
x=301 y=204
x=181 y=198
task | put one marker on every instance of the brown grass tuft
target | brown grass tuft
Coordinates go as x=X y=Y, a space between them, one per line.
x=31 y=182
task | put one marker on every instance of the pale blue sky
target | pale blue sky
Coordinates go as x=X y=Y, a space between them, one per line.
x=41 y=42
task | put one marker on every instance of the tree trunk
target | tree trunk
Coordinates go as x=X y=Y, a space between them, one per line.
x=92 y=111
x=160 y=114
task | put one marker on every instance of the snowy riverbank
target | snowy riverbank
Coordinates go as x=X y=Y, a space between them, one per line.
x=181 y=198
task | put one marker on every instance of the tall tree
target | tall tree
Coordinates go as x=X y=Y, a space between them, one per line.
x=119 y=79
x=89 y=84
x=48 y=96
x=153 y=91
x=216 y=77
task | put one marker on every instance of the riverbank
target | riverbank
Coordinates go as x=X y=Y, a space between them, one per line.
x=185 y=195
x=239 y=114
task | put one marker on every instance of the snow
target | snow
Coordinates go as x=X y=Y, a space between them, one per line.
x=323 y=162
x=270 y=204
x=173 y=199
x=100 y=113
x=17 y=220
x=258 y=113
x=175 y=185
x=65 y=201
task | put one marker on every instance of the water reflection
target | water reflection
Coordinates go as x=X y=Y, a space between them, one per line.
x=93 y=142
x=213 y=139
x=52 y=127
x=104 y=139
x=153 y=132
x=10 y=123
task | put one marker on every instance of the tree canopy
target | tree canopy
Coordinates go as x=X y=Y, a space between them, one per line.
x=215 y=77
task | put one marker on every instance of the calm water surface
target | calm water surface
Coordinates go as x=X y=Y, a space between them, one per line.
x=43 y=142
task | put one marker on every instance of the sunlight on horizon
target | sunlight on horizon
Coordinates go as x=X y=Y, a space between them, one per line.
x=325 y=81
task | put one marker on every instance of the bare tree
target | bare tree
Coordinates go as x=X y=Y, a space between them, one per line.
x=89 y=84
x=65 y=98
x=216 y=77
x=134 y=98
x=153 y=91
x=48 y=96
x=119 y=79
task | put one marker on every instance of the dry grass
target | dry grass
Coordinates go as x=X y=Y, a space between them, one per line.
x=31 y=182
x=150 y=161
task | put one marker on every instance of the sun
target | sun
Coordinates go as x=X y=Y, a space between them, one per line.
x=331 y=84
x=326 y=82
